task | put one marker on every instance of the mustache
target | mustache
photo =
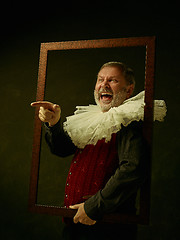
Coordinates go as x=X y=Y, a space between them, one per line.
x=103 y=90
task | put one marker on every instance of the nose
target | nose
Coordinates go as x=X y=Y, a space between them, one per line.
x=105 y=83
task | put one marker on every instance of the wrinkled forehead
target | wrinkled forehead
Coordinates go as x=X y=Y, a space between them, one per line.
x=110 y=71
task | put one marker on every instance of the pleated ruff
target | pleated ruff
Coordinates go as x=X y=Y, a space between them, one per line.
x=89 y=124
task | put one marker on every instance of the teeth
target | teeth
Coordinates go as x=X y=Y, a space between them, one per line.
x=105 y=94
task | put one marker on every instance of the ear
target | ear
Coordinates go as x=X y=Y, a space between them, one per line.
x=130 y=89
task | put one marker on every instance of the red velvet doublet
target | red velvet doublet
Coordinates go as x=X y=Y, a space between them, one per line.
x=90 y=169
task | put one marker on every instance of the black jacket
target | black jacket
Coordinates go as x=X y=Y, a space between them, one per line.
x=119 y=194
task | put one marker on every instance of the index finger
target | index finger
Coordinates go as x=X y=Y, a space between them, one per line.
x=44 y=104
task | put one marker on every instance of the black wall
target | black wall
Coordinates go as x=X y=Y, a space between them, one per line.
x=23 y=28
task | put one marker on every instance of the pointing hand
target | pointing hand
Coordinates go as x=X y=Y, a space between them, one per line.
x=48 y=112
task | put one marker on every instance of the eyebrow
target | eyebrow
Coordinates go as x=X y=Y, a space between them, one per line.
x=109 y=77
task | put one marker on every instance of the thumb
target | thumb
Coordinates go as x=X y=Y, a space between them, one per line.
x=56 y=108
x=76 y=206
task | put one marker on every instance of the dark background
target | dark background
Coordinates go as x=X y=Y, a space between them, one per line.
x=23 y=28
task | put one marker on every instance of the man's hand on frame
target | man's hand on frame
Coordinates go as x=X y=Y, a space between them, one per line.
x=81 y=215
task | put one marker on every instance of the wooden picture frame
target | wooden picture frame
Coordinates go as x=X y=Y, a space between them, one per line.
x=149 y=43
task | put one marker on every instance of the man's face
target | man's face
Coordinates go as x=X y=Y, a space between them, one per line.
x=111 y=88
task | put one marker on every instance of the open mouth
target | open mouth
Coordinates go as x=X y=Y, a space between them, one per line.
x=106 y=97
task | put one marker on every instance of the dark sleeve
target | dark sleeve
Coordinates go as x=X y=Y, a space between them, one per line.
x=58 y=141
x=128 y=177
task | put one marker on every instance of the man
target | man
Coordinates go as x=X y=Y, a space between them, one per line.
x=107 y=142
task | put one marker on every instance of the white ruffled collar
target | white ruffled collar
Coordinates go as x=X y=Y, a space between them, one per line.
x=89 y=124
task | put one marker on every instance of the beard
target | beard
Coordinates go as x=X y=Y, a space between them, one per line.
x=117 y=99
